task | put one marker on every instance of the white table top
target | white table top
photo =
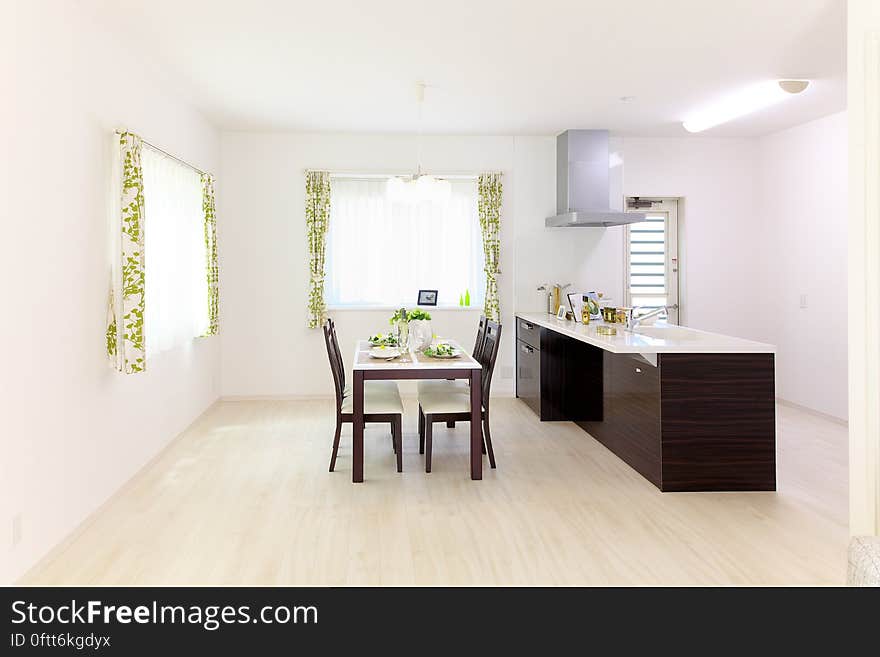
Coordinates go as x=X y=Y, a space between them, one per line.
x=411 y=360
x=660 y=338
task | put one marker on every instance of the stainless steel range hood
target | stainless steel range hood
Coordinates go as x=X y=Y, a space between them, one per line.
x=583 y=191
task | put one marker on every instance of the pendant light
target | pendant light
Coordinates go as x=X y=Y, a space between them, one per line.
x=419 y=186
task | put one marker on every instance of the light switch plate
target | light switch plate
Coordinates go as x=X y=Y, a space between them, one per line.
x=803 y=301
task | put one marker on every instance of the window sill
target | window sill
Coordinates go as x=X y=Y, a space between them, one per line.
x=393 y=308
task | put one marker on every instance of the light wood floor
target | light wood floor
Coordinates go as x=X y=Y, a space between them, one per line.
x=244 y=497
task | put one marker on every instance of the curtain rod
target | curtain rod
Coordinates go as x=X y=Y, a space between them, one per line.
x=361 y=174
x=167 y=154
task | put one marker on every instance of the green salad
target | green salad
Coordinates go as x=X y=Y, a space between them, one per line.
x=383 y=340
x=441 y=349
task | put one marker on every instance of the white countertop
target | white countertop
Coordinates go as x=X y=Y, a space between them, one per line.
x=663 y=338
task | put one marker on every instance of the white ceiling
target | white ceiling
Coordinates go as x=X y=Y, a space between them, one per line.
x=493 y=66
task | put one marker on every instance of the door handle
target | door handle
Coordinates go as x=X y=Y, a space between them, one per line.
x=638 y=370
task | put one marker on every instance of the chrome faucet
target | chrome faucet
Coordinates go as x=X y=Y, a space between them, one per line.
x=633 y=322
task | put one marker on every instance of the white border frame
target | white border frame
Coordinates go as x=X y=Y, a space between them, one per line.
x=863 y=113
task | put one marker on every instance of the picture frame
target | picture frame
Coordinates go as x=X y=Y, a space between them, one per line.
x=561 y=313
x=427 y=298
x=575 y=301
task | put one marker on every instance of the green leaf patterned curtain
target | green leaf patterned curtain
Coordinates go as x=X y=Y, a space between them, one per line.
x=489 y=190
x=212 y=268
x=125 y=325
x=317 y=221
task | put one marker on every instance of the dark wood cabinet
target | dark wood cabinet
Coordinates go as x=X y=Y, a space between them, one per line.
x=559 y=378
x=719 y=422
x=635 y=413
x=528 y=332
x=686 y=422
x=528 y=373
x=630 y=422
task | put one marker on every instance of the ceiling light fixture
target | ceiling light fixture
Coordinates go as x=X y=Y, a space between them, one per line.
x=419 y=186
x=747 y=100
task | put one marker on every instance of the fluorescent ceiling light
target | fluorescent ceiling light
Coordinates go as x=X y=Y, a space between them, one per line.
x=748 y=100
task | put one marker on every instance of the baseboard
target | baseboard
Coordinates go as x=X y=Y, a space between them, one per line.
x=813 y=411
x=59 y=548
x=246 y=398
x=404 y=394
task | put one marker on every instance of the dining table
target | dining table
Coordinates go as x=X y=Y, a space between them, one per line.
x=412 y=364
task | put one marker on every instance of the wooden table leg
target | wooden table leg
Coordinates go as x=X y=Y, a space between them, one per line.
x=357 y=427
x=476 y=423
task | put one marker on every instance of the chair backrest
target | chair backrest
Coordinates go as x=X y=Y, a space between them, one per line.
x=339 y=363
x=335 y=362
x=491 y=343
x=481 y=335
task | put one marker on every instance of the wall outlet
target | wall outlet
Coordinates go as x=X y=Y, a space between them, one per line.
x=803 y=301
x=16 y=529
x=507 y=372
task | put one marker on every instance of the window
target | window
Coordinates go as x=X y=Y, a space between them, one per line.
x=176 y=305
x=381 y=252
x=652 y=260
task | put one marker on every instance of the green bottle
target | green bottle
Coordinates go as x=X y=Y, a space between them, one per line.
x=467 y=297
x=460 y=299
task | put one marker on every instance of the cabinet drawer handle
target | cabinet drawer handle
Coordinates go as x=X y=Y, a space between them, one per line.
x=527 y=349
x=526 y=326
x=638 y=370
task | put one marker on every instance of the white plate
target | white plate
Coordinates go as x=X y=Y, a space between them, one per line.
x=457 y=354
x=384 y=353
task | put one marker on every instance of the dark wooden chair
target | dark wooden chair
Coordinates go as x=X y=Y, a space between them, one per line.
x=453 y=404
x=435 y=385
x=381 y=400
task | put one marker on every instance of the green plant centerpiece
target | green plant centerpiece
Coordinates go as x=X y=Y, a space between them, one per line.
x=420 y=328
x=418 y=314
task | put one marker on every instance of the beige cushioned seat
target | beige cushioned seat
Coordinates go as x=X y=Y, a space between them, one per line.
x=432 y=386
x=445 y=401
x=379 y=397
x=390 y=385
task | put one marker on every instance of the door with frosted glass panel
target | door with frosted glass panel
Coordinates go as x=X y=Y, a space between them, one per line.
x=651 y=256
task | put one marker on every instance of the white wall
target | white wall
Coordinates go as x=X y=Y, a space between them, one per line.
x=733 y=278
x=73 y=430
x=762 y=221
x=803 y=199
x=722 y=264
x=266 y=345
x=722 y=261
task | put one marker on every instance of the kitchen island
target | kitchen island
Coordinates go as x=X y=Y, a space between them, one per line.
x=687 y=409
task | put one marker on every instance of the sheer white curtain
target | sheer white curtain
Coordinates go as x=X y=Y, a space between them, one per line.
x=176 y=307
x=382 y=252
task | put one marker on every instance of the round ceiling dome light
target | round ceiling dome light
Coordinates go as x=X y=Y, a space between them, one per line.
x=745 y=101
x=793 y=86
